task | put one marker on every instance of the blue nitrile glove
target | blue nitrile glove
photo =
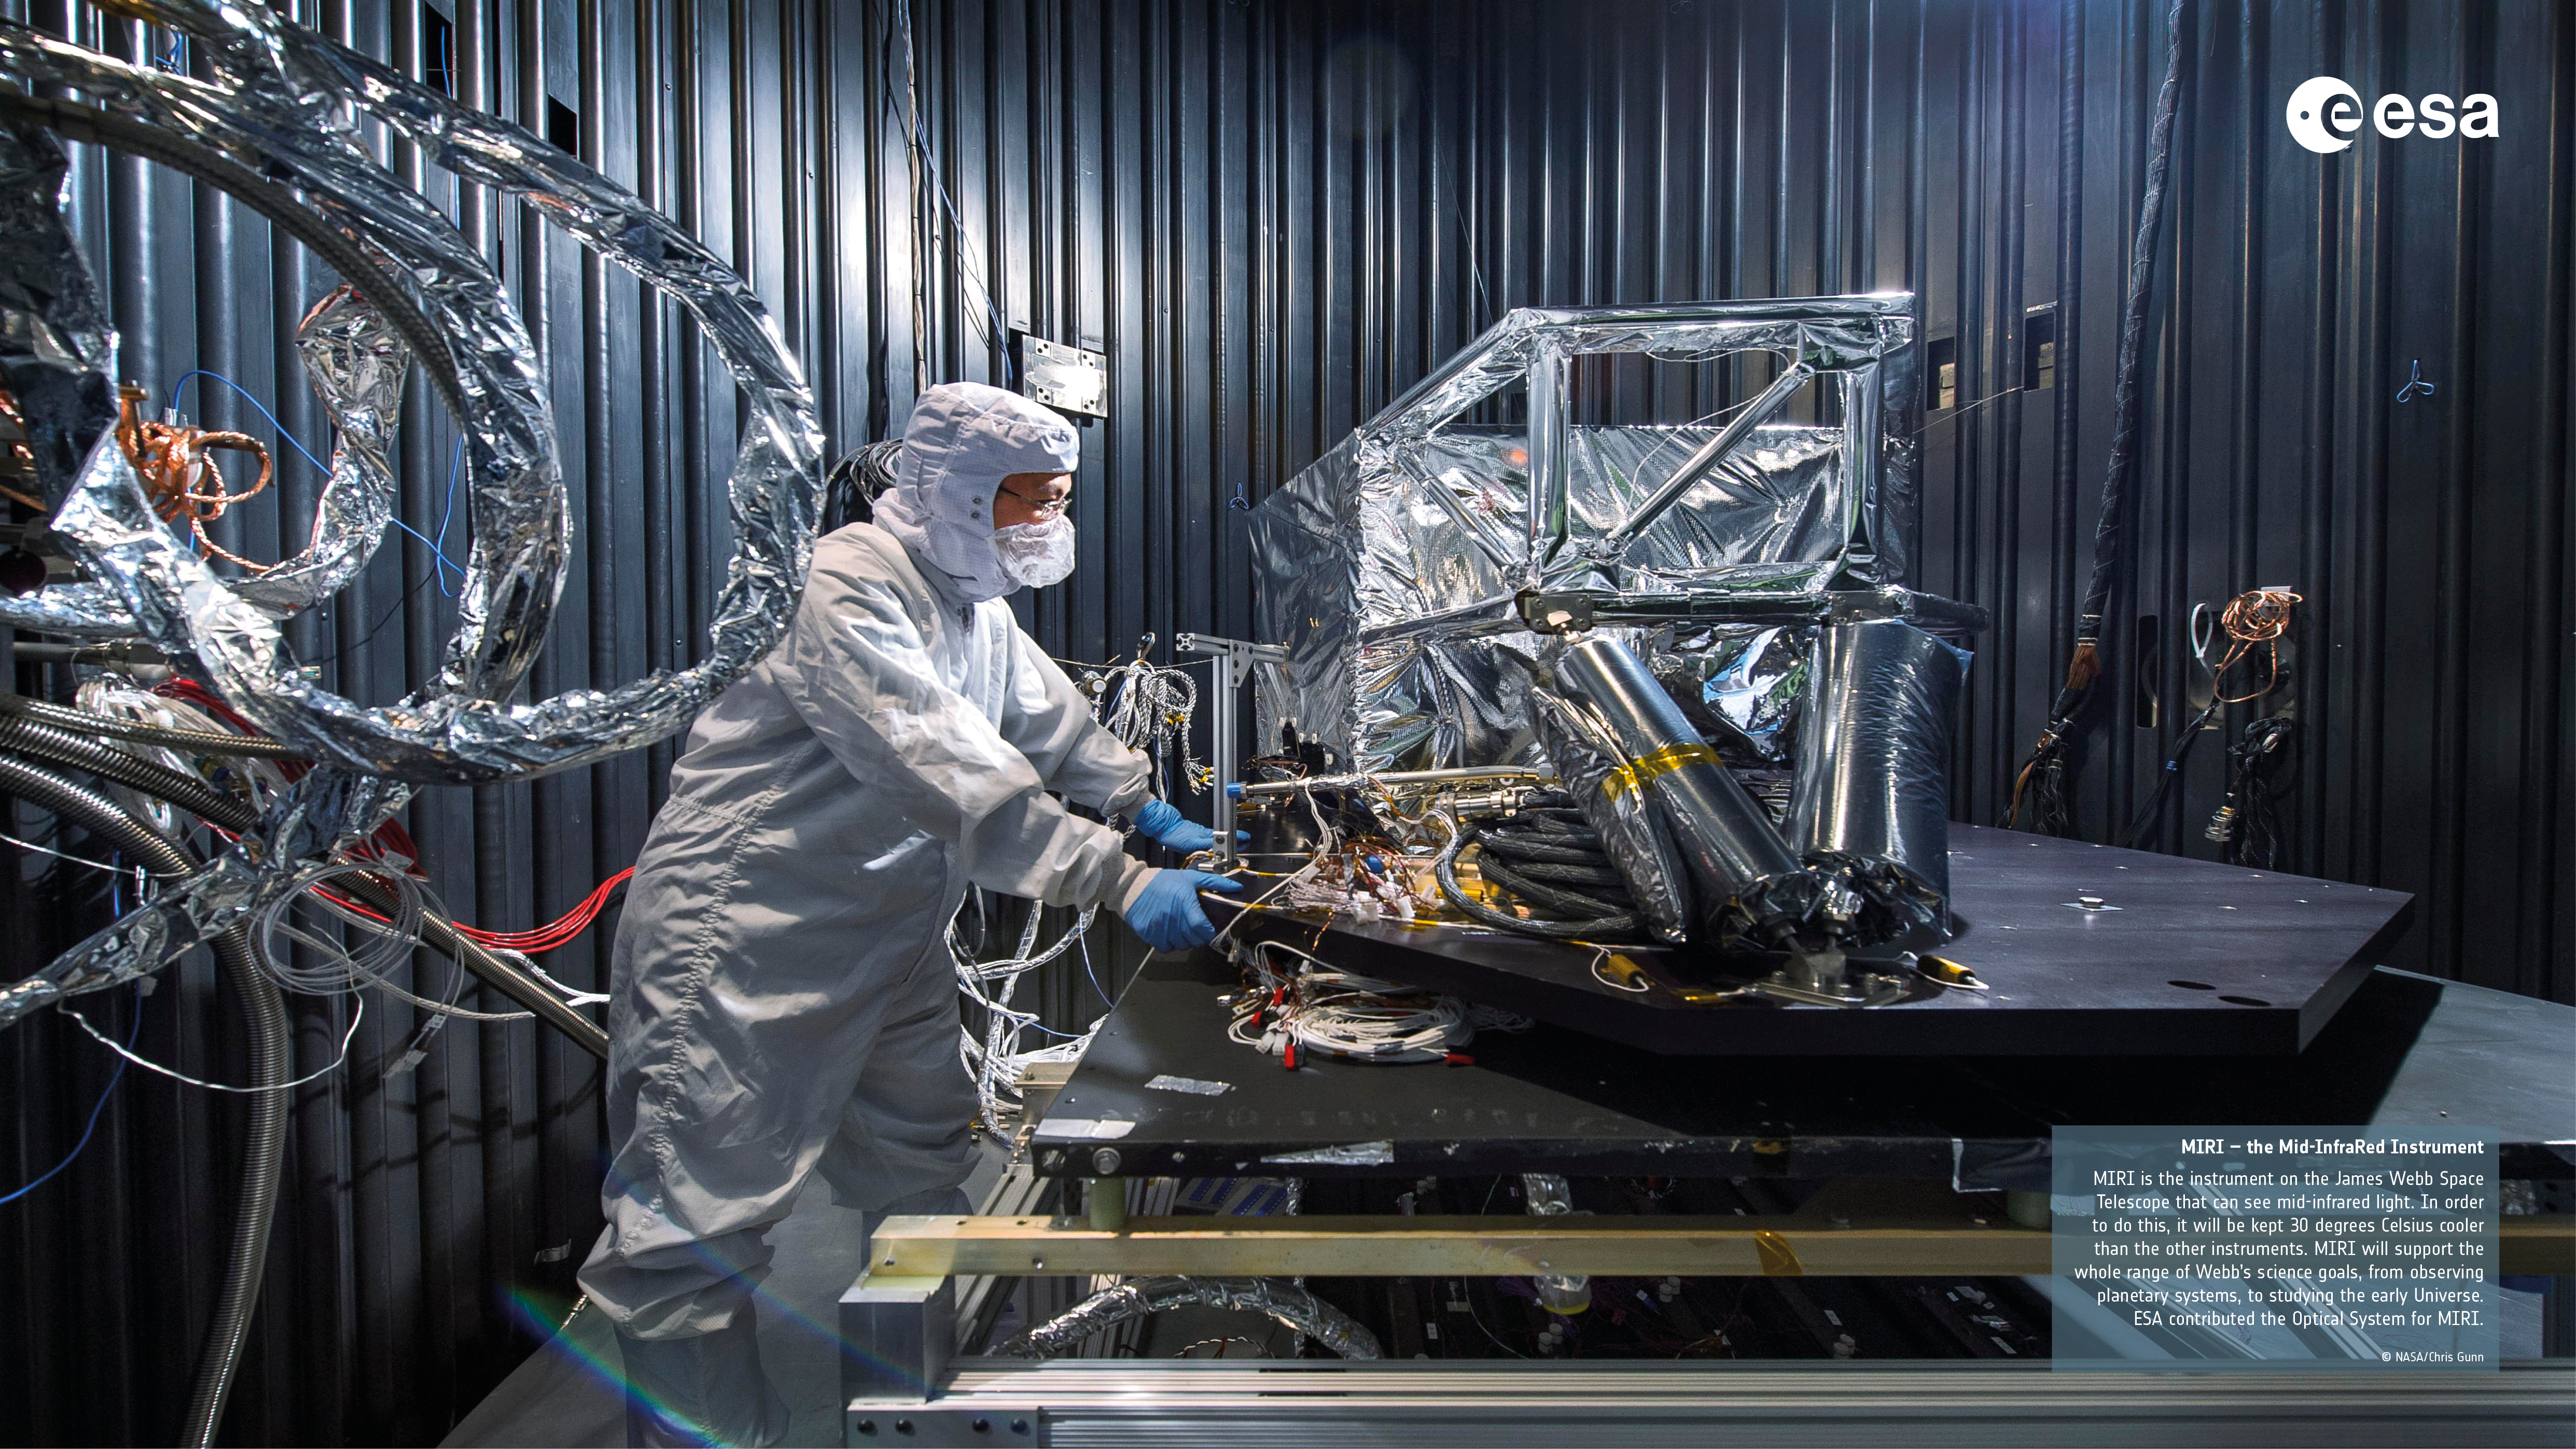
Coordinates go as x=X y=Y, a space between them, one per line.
x=1166 y=912
x=1172 y=830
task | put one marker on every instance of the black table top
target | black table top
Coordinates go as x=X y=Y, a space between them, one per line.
x=2404 y=1050
x=2183 y=957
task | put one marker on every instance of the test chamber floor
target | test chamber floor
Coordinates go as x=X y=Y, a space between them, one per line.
x=2184 y=956
x=2405 y=1050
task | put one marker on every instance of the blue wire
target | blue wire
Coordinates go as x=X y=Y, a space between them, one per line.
x=447 y=511
x=1094 y=975
x=318 y=465
x=114 y=1077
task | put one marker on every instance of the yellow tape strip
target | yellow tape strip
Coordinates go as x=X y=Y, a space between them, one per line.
x=1634 y=776
x=1779 y=1260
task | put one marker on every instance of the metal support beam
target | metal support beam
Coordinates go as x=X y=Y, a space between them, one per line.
x=1490 y=1405
x=897 y=1331
x=1235 y=661
x=1488 y=1247
x=1846 y=1241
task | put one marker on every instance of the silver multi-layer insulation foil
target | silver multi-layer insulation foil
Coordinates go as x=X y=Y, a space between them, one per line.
x=1726 y=841
x=1591 y=767
x=1872 y=798
x=1391 y=566
x=1137 y=1297
x=284 y=107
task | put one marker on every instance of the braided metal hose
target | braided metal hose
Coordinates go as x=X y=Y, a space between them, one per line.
x=264 y=1148
x=1137 y=1297
x=33 y=737
x=204 y=742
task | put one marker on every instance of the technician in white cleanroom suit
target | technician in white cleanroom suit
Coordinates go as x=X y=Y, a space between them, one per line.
x=781 y=993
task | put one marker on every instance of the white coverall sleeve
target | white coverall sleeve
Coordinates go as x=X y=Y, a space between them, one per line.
x=1050 y=722
x=857 y=671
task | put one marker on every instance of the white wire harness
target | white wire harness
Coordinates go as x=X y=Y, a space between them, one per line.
x=994 y=1058
x=1315 y=1006
x=1149 y=707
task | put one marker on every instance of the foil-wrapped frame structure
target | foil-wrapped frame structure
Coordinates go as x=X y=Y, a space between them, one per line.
x=1421 y=572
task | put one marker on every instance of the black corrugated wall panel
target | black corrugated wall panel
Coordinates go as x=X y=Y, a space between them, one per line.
x=1564 y=155
x=1274 y=217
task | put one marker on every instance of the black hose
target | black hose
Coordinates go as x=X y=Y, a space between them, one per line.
x=2041 y=783
x=34 y=737
x=264 y=1017
x=1552 y=896
x=204 y=742
x=1444 y=869
x=1565 y=875
x=2133 y=332
x=1498 y=842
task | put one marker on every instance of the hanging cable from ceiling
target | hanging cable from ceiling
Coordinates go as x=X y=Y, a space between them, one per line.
x=2041 y=783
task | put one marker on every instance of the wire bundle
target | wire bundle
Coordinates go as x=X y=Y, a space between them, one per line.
x=170 y=458
x=2248 y=826
x=1319 y=1007
x=2041 y=785
x=1549 y=857
x=2255 y=617
x=560 y=932
x=1149 y=709
x=994 y=1059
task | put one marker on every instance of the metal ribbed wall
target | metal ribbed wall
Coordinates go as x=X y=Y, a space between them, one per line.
x=1548 y=154
x=1274 y=217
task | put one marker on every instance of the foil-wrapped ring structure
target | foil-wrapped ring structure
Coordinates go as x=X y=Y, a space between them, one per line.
x=284 y=105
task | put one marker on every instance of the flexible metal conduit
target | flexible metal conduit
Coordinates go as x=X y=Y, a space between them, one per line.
x=264 y=1151
x=34 y=737
x=204 y=742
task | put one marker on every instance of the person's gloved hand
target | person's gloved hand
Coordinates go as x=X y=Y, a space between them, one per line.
x=1164 y=822
x=1167 y=914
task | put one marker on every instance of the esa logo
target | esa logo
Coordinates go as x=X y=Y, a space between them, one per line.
x=2324 y=113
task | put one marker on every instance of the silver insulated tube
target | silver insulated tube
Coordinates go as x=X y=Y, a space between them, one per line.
x=1874 y=749
x=1726 y=840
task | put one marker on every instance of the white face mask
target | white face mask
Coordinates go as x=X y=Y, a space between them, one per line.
x=1036 y=554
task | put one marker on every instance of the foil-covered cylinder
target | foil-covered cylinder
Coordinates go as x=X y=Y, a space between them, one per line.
x=1874 y=750
x=1726 y=841
x=1588 y=763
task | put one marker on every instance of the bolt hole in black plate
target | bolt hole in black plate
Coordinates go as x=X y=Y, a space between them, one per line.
x=2246 y=1000
x=2192 y=985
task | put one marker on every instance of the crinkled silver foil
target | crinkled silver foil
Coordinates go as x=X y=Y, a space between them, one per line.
x=1137 y=1297
x=1740 y=683
x=55 y=351
x=1391 y=565
x=1587 y=760
x=286 y=105
x=1736 y=857
x=357 y=366
x=1873 y=785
